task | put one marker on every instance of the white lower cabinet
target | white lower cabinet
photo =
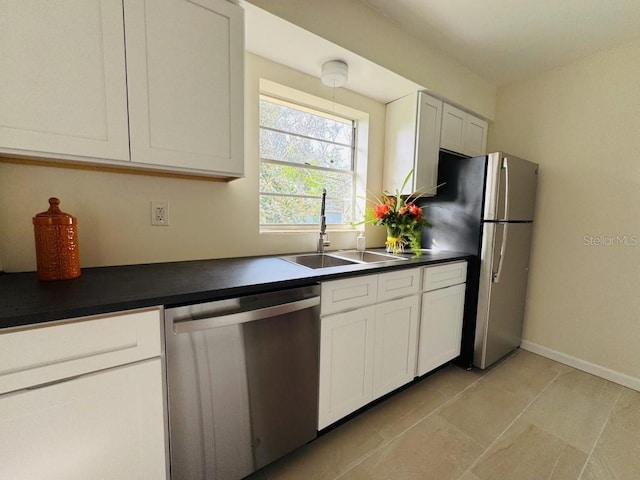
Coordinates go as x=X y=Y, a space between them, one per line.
x=346 y=363
x=83 y=399
x=370 y=350
x=440 y=327
x=441 y=315
x=396 y=330
x=105 y=425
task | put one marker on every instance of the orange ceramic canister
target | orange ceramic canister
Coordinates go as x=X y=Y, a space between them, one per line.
x=56 y=235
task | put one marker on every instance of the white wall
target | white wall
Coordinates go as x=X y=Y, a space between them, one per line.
x=208 y=219
x=581 y=122
x=360 y=29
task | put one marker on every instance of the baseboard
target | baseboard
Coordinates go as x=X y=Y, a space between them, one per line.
x=592 y=368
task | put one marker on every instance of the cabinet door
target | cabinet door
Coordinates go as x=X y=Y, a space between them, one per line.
x=396 y=336
x=186 y=85
x=104 y=425
x=412 y=141
x=453 y=129
x=440 y=327
x=475 y=137
x=62 y=80
x=346 y=363
x=399 y=142
x=427 y=145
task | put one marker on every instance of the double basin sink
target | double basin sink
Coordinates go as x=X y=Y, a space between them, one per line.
x=340 y=258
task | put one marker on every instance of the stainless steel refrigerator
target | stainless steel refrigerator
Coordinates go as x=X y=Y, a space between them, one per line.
x=486 y=207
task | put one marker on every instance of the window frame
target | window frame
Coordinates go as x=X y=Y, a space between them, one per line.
x=354 y=172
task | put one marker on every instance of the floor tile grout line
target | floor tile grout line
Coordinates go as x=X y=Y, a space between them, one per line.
x=553 y=469
x=524 y=409
x=595 y=444
x=433 y=412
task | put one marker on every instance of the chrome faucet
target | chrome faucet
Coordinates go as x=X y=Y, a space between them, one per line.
x=323 y=241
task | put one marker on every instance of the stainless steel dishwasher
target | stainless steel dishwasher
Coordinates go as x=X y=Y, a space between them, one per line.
x=242 y=377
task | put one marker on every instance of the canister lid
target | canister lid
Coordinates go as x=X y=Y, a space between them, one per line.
x=54 y=216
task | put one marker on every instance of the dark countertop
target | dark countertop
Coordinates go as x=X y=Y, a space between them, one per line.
x=26 y=300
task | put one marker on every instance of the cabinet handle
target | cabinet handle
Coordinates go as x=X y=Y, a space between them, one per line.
x=53 y=382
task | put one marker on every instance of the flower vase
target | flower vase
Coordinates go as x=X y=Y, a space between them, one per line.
x=395 y=241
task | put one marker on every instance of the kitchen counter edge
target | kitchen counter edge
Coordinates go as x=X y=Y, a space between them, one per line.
x=102 y=290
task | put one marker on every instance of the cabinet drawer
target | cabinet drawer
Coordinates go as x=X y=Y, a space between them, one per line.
x=398 y=284
x=47 y=353
x=445 y=275
x=342 y=295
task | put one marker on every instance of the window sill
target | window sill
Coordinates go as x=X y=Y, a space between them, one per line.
x=283 y=231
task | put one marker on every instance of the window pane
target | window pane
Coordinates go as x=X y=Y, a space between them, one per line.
x=290 y=180
x=305 y=151
x=288 y=119
x=302 y=211
x=288 y=210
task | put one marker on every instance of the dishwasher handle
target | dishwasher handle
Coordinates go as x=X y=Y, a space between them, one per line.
x=206 y=323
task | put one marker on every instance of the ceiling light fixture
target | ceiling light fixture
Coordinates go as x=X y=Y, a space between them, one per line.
x=334 y=73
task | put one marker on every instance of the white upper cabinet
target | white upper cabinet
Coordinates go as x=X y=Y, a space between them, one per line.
x=476 y=136
x=412 y=141
x=185 y=79
x=462 y=132
x=177 y=104
x=62 y=80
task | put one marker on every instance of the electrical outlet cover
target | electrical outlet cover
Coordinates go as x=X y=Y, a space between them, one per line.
x=160 y=213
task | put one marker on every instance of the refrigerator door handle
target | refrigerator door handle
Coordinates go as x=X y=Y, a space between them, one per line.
x=505 y=167
x=503 y=248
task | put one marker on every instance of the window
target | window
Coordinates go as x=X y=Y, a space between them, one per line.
x=302 y=151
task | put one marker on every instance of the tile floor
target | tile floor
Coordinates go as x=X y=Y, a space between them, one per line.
x=526 y=418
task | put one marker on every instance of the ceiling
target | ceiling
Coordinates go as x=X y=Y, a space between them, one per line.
x=283 y=42
x=506 y=40
x=500 y=40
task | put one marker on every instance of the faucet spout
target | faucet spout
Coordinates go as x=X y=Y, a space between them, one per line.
x=323 y=240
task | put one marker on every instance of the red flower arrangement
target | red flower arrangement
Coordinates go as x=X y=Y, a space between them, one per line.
x=403 y=219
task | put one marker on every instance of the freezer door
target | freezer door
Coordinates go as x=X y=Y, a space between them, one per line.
x=503 y=286
x=511 y=188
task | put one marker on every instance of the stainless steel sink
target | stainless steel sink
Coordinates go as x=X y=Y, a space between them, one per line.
x=340 y=258
x=365 y=256
x=318 y=260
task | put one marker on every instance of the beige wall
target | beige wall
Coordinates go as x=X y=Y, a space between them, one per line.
x=208 y=219
x=360 y=29
x=582 y=124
